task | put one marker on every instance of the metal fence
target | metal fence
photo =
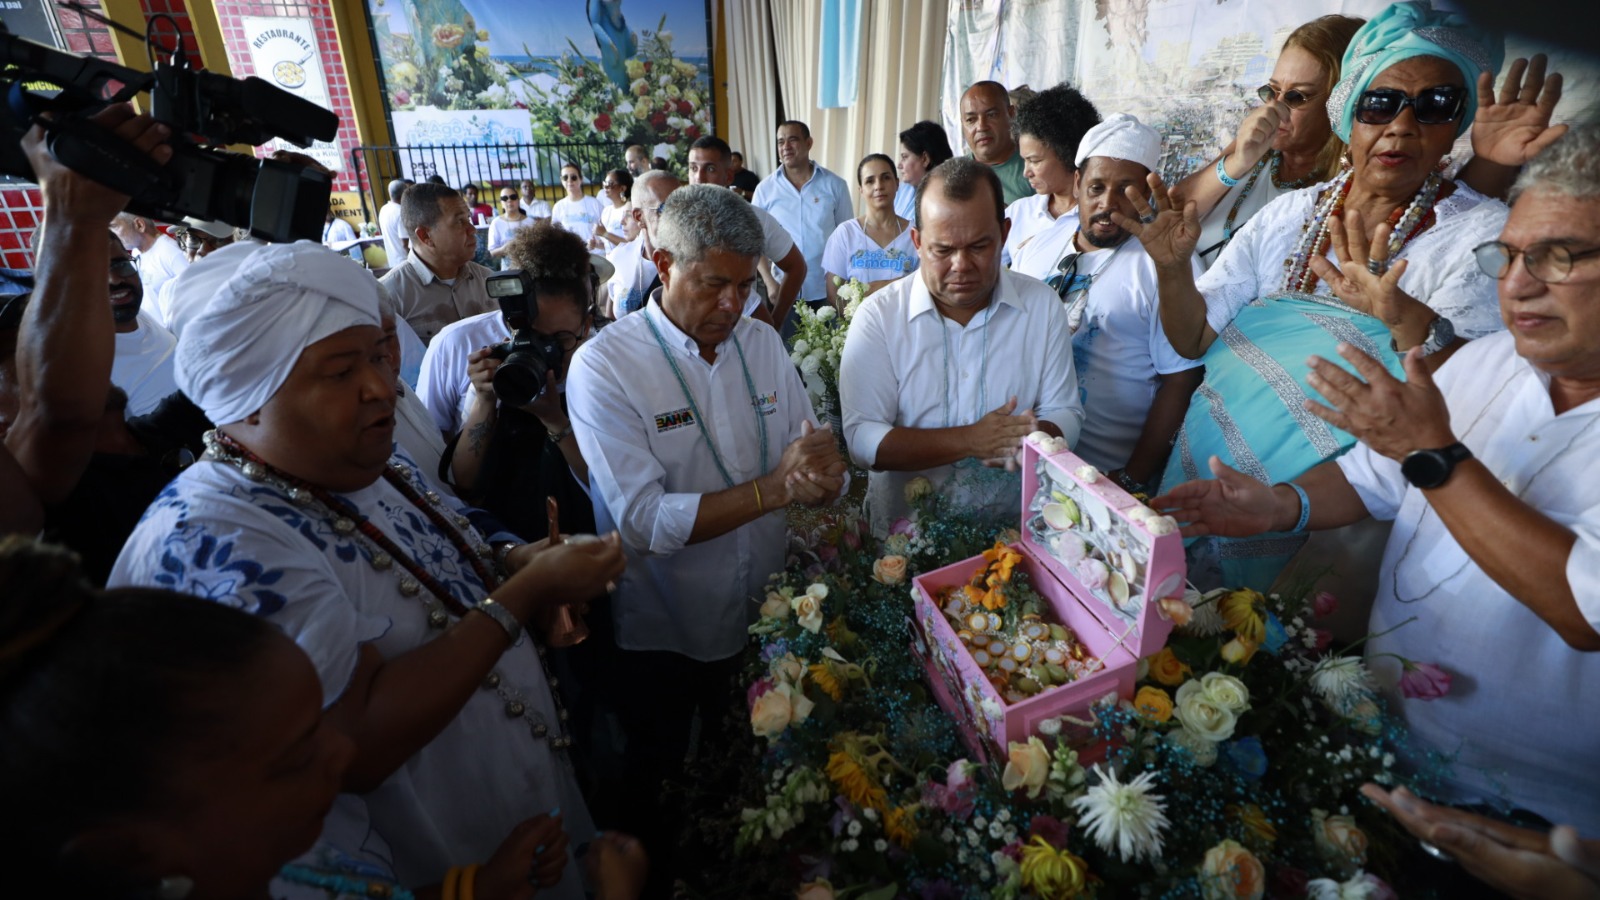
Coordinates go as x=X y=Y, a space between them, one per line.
x=495 y=164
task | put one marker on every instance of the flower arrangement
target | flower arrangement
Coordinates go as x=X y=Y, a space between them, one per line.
x=443 y=62
x=1233 y=772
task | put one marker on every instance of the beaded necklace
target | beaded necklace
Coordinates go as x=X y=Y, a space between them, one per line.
x=341 y=885
x=694 y=408
x=383 y=554
x=1317 y=232
x=983 y=369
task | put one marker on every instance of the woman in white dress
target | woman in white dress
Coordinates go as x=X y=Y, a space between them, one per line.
x=577 y=212
x=875 y=248
x=611 y=231
x=504 y=226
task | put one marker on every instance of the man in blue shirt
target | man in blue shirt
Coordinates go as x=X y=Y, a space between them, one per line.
x=808 y=200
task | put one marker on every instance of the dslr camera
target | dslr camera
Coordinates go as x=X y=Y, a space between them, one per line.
x=527 y=359
x=277 y=201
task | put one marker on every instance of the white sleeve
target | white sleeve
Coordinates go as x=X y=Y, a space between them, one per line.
x=836 y=255
x=1233 y=281
x=778 y=241
x=439 y=384
x=869 y=393
x=1059 y=401
x=1376 y=479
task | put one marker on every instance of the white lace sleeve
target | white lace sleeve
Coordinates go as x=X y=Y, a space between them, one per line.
x=1252 y=263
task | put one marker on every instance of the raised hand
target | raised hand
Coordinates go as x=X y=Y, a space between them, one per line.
x=1169 y=235
x=1231 y=504
x=1513 y=129
x=1366 y=281
x=997 y=436
x=1257 y=131
x=1392 y=417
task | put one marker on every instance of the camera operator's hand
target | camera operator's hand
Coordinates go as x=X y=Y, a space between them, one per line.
x=480 y=368
x=79 y=196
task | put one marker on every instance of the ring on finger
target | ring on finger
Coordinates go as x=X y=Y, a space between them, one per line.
x=1377 y=266
x=1147 y=218
x=1436 y=853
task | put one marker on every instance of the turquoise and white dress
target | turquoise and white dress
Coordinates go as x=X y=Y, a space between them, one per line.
x=217 y=534
x=1249 y=409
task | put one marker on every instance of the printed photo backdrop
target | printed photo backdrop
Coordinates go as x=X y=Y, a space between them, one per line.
x=634 y=71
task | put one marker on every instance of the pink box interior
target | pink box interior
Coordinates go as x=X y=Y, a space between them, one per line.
x=1120 y=637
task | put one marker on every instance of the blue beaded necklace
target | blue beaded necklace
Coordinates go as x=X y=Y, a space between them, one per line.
x=694 y=408
x=338 y=885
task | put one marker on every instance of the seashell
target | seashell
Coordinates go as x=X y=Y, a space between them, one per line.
x=1117 y=587
x=1159 y=525
x=1087 y=474
x=1069 y=549
x=1169 y=585
x=1100 y=514
x=1093 y=573
x=1129 y=565
x=1062 y=514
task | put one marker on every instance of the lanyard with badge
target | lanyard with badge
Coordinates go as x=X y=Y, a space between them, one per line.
x=694 y=408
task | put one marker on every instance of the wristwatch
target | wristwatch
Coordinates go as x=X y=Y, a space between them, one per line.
x=1441 y=334
x=1430 y=468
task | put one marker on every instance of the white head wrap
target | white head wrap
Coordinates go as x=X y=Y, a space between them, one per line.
x=1121 y=137
x=266 y=304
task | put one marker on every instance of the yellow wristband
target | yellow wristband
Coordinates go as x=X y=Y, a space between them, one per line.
x=759 y=507
x=469 y=875
x=450 y=880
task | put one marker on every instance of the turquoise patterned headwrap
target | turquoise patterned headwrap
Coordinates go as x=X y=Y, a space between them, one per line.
x=1408 y=29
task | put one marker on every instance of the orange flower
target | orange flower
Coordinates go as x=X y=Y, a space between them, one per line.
x=1166 y=668
x=1002 y=559
x=1153 y=703
x=823 y=677
x=857 y=785
x=901 y=826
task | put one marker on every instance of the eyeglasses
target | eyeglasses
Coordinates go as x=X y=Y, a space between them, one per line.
x=1292 y=98
x=190 y=240
x=571 y=177
x=1433 y=106
x=508 y=196
x=1550 y=263
x=121 y=265
x=1066 y=279
x=566 y=339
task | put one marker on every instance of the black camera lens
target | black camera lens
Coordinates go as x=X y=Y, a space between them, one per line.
x=520 y=377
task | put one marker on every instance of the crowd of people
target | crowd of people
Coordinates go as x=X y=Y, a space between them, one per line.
x=387 y=586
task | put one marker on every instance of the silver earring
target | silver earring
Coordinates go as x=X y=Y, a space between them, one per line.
x=174 y=887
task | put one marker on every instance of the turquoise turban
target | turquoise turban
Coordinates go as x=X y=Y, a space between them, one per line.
x=1404 y=30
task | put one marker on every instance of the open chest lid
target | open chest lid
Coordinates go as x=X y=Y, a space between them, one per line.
x=1116 y=555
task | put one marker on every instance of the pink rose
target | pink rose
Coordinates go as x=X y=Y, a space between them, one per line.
x=755 y=691
x=1324 y=604
x=1424 y=681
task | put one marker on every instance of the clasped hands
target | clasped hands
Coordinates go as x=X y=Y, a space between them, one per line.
x=810 y=472
x=997 y=437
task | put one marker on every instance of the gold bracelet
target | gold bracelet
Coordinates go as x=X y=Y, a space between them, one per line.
x=450 y=880
x=468 y=876
x=759 y=507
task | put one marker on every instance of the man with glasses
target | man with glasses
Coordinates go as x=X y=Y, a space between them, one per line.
x=1486 y=467
x=197 y=238
x=636 y=277
x=1135 y=387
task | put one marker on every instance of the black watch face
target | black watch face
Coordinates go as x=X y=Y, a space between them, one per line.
x=1426 y=468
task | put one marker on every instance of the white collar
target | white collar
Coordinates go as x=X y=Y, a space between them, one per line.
x=921 y=300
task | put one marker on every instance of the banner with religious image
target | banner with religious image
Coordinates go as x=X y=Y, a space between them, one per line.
x=631 y=71
x=284 y=53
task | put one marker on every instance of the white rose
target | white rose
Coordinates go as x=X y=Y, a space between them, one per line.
x=825 y=313
x=1027 y=767
x=1203 y=715
x=1226 y=691
x=799 y=704
x=771 y=714
x=800 y=348
x=817 y=590
x=775 y=607
x=810 y=365
x=788 y=669
x=808 y=612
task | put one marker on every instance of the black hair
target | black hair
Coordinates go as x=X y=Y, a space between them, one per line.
x=436 y=179
x=1059 y=117
x=712 y=142
x=958 y=178
x=99 y=692
x=556 y=259
x=419 y=208
x=805 y=130
x=623 y=178
x=930 y=138
x=880 y=157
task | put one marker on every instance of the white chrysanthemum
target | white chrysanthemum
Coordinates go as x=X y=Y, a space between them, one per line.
x=1360 y=887
x=1207 y=620
x=1342 y=681
x=1125 y=816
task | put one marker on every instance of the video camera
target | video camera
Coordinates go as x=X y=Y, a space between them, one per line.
x=527 y=359
x=278 y=201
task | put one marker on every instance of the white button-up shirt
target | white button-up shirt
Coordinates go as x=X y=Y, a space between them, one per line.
x=1518 y=719
x=810 y=214
x=649 y=464
x=896 y=373
x=443 y=385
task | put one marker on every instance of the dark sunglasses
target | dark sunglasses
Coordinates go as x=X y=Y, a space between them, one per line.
x=1066 y=279
x=1292 y=98
x=571 y=177
x=121 y=265
x=1550 y=263
x=1434 y=106
x=508 y=196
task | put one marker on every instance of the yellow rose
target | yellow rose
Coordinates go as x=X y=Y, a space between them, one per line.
x=808 y=612
x=1255 y=822
x=1226 y=691
x=1339 y=841
x=1153 y=703
x=640 y=88
x=1166 y=668
x=635 y=70
x=1230 y=872
x=771 y=714
x=821 y=889
x=1027 y=767
x=889 y=570
x=917 y=488
x=1238 y=651
x=1203 y=715
x=775 y=607
x=788 y=669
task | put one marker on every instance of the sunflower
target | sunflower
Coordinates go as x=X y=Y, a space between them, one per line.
x=857 y=785
x=1242 y=611
x=901 y=826
x=1052 y=874
x=822 y=676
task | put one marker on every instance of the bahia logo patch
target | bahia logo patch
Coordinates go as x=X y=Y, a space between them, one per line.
x=672 y=421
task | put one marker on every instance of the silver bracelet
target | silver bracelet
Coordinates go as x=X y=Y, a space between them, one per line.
x=501 y=615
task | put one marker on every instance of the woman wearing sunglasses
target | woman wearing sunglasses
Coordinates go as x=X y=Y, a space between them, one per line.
x=577 y=212
x=1380 y=257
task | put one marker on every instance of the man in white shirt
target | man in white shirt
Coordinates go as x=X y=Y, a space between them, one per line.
x=806 y=199
x=158 y=256
x=1487 y=470
x=698 y=433
x=438 y=283
x=946 y=371
x=1135 y=387
x=142 y=366
x=396 y=243
x=337 y=231
x=635 y=276
x=708 y=164
x=531 y=204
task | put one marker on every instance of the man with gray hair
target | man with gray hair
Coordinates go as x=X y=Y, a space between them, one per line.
x=698 y=434
x=635 y=278
x=1486 y=467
